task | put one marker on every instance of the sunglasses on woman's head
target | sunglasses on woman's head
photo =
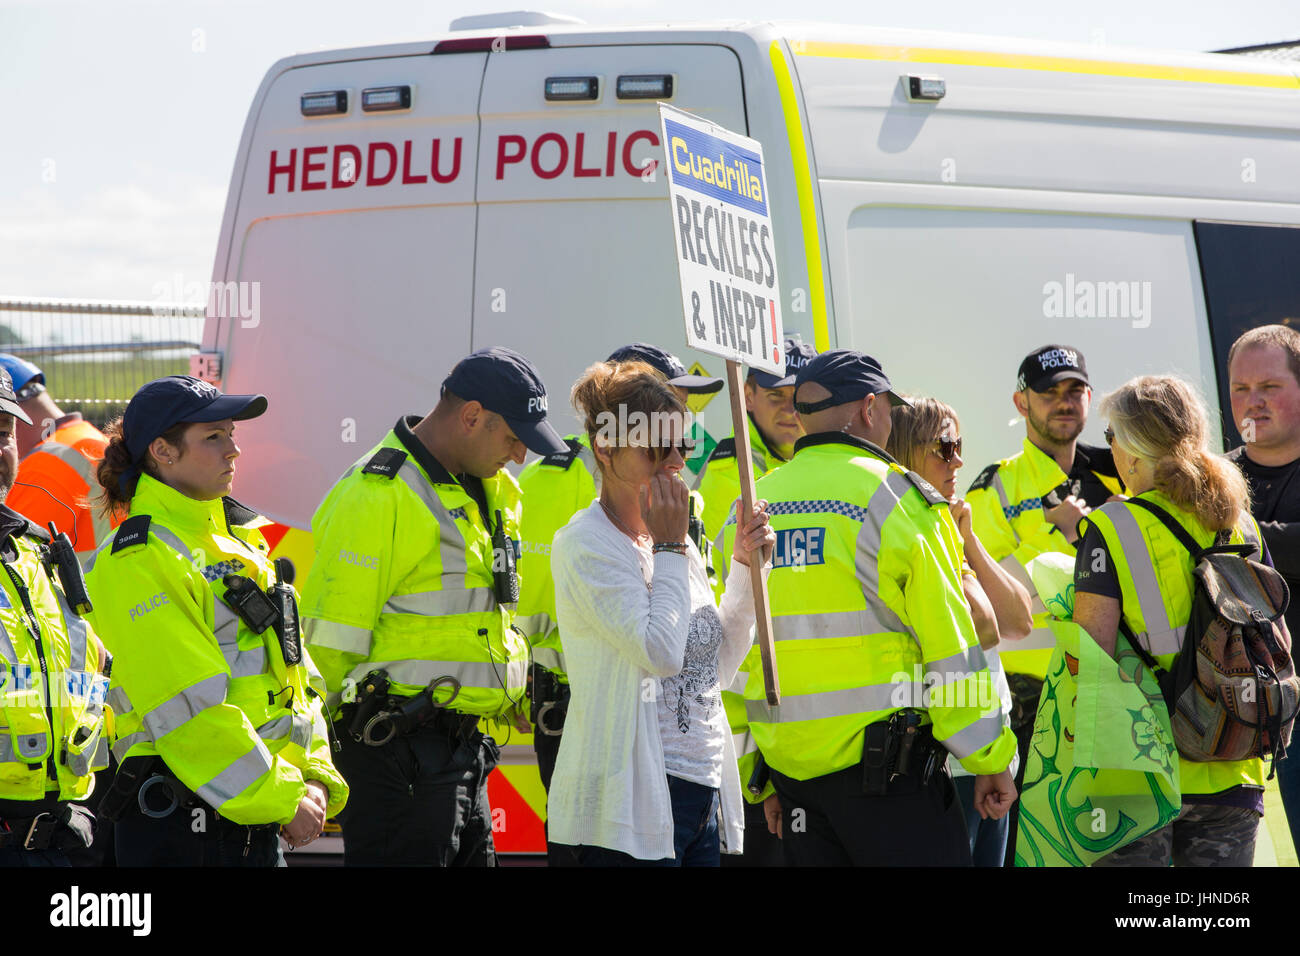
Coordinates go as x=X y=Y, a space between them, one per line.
x=945 y=448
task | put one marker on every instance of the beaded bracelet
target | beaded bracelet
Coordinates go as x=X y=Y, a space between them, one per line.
x=676 y=547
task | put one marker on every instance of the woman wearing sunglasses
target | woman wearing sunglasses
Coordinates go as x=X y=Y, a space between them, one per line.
x=216 y=726
x=926 y=438
x=646 y=757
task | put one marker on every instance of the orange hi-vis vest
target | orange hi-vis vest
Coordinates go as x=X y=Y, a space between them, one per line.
x=56 y=479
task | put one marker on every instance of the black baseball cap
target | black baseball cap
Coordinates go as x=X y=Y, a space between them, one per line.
x=669 y=365
x=8 y=400
x=848 y=375
x=503 y=381
x=1045 y=366
x=797 y=355
x=165 y=402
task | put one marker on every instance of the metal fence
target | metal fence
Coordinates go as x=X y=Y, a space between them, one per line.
x=95 y=354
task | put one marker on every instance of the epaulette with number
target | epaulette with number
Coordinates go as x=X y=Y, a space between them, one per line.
x=724 y=449
x=927 y=490
x=134 y=530
x=985 y=478
x=385 y=462
x=564 y=459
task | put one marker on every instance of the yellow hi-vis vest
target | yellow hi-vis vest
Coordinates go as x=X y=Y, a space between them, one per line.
x=1156 y=584
x=402 y=581
x=867 y=615
x=1006 y=501
x=719 y=480
x=553 y=489
x=192 y=683
x=52 y=714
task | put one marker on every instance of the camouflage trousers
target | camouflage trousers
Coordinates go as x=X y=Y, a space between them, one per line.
x=1202 y=835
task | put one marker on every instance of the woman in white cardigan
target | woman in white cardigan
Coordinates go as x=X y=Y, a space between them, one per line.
x=646 y=765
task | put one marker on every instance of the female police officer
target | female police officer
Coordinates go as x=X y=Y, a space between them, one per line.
x=220 y=739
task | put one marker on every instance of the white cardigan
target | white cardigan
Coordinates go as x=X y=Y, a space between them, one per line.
x=610 y=788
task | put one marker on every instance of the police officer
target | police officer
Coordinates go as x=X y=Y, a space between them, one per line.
x=773 y=429
x=881 y=670
x=58 y=453
x=1032 y=502
x=52 y=685
x=220 y=739
x=409 y=608
x=554 y=489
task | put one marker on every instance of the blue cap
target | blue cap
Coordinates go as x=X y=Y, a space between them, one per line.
x=503 y=381
x=797 y=355
x=169 y=401
x=669 y=365
x=21 y=371
x=848 y=376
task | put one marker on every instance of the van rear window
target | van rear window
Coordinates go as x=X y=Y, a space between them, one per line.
x=1251 y=279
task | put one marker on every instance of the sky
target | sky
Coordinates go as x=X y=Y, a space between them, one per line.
x=120 y=119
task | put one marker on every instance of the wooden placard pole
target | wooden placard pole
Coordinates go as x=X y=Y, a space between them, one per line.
x=745 y=462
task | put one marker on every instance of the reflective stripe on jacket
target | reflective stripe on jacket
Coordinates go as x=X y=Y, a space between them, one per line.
x=402 y=581
x=867 y=615
x=192 y=682
x=1007 y=516
x=1155 y=576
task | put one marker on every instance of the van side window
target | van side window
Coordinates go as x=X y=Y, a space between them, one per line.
x=1251 y=279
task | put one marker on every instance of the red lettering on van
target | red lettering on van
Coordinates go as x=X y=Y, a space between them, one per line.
x=627 y=151
x=341 y=181
x=407 y=178
x=309 y=167
x=578 y=169
x=564 y=155
x=438 y=177
x=503 y=158
x=277 y=170
x=375 y=149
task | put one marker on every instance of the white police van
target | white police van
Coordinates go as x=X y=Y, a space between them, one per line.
x=943 y=202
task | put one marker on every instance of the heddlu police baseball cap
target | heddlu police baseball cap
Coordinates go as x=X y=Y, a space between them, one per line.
x=669 y=365
x=848 y=376
x=1044 y=367
x=797 y=355
x=8 y=400
x=503 y=381
x=165 y=402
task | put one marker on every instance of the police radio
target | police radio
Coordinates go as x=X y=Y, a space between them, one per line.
x=286 y=610
x=63 y=559
x=505 y=580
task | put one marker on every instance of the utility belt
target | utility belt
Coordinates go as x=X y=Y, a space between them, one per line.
x=146 y=786
x=549 y=702
x=899 y=750
x=65 y=827
x=374 y=717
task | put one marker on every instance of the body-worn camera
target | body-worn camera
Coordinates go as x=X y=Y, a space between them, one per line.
x=250 y=602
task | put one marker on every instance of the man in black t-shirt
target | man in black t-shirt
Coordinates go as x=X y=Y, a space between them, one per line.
x=1264 y=383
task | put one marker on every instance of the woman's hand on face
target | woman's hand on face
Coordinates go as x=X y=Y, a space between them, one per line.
x=961 y=513
x=757 y=534
x=665 y=509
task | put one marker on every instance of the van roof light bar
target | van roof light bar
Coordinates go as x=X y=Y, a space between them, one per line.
x=497 y=44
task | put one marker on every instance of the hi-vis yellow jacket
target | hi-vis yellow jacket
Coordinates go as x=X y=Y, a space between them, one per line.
x=1006 y=501
x=719 y=480
x=52 y=715
x=191 y=681
x=867 y=615
x=402 y=581
x=1155 y=577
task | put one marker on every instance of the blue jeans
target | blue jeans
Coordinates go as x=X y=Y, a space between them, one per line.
x=695 y=834
x=988 y=838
